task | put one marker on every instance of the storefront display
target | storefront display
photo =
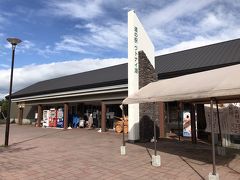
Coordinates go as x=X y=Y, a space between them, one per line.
x=46 y=114
x=110 y=120
x=60 y=119
x=75 y=120
x=53 y=118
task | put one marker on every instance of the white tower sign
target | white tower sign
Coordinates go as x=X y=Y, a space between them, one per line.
x=138 y=40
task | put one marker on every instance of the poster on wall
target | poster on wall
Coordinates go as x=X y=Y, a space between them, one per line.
x=186 y=124
x=229 y=117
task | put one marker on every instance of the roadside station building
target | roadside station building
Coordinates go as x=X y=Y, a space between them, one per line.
x=101 y=91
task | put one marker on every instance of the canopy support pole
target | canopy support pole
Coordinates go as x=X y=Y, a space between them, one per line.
x=213 y=143
x=179 y=118
x=154 y=129
x=155 y=141
x=156 y=159
x=220 y=149
x=219 y=125
x=213 y=175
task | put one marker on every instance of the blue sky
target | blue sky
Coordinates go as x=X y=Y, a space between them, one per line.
x=63 y=37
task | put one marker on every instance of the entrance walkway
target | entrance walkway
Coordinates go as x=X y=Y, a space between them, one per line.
x=38 y=153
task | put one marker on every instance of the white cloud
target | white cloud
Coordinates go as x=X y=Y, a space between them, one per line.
x=98 y=38
x=8 y=45
x=26 y=45
x=235 y=3
x=23 y=46
x=196 y=42
x=199 y=41
x=90 y=26
x=30 y=74
x=211 y=22
x=29 y=46
x=3 y=95
x=215 y=23
x=46 y=51
x=2 y=19
x=76 y=9
x=109 y=36
x=71 y=43
x=4 y=65
x=180 y=8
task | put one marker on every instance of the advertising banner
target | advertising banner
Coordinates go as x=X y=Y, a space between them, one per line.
x=186 y=124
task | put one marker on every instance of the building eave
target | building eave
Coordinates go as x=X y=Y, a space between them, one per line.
x=67 y=94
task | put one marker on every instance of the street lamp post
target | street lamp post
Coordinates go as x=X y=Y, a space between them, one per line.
x=14 y=42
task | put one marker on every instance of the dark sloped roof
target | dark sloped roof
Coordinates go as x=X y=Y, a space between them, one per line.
x=198 y=59
x=113 y=75
x=167 y=66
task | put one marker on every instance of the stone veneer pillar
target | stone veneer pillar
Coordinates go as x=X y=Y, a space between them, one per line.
x=148 y=112
x=40 y=115
x=20 y=116
x=162 y=119
x=193 y=124
x=103 y=117
x=65 y=117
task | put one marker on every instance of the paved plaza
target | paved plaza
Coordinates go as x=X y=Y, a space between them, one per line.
x=44 y=153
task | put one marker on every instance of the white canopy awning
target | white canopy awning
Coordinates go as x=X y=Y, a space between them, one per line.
x=222 y=82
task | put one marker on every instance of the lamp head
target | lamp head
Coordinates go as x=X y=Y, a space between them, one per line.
x=14 y=41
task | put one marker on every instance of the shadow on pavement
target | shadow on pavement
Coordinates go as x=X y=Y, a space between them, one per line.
x=47 y=134
x=13 y=149
x=200 y=153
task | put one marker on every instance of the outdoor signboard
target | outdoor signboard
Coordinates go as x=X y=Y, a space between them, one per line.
x=229 y=117
x=138 y=40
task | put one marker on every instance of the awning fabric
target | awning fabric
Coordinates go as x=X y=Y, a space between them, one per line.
x=221 y=82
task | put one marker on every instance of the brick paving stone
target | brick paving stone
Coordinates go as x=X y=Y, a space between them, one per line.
x=45 y=153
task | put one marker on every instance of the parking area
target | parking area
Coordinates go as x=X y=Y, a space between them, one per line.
x=44 y=153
